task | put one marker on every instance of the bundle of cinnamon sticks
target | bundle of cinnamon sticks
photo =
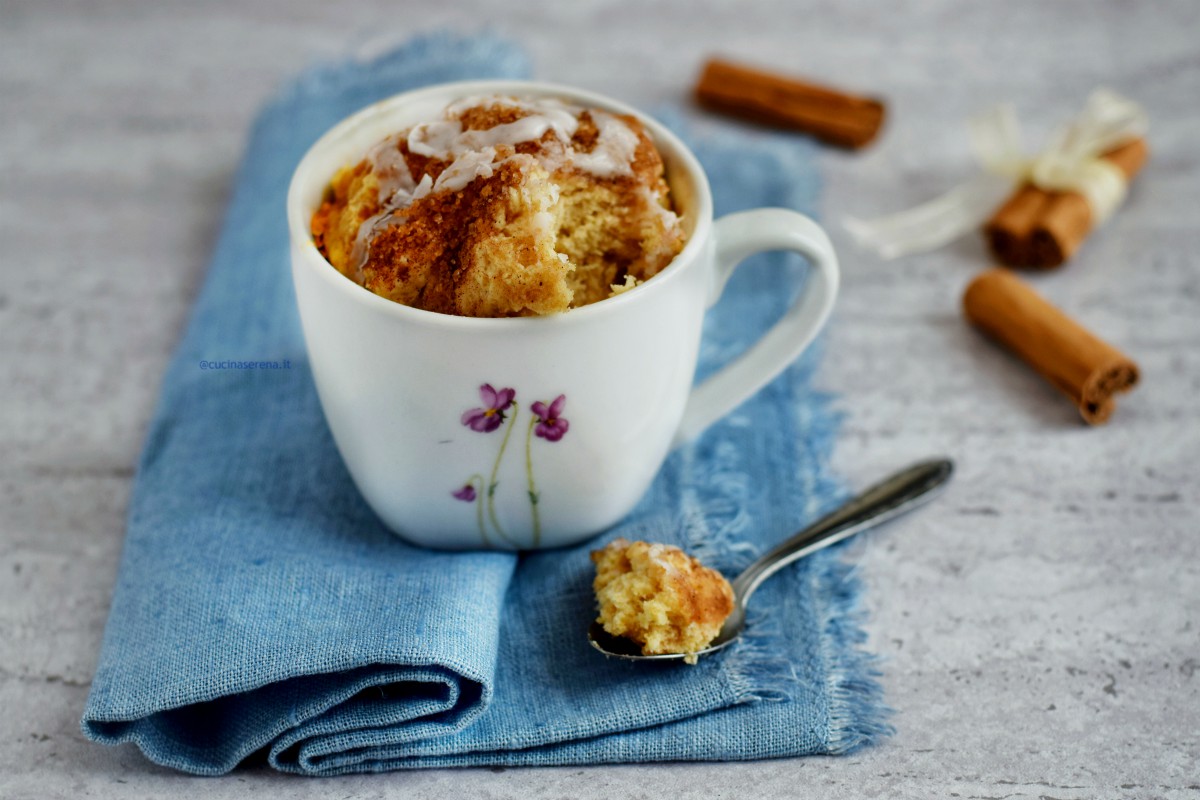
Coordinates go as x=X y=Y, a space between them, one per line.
x=1039 y=229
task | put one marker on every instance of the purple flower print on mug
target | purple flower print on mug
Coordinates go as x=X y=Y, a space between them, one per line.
x=550 y=423
x=491 y=416
x=545 y=420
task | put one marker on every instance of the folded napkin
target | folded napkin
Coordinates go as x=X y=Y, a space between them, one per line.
x=261 y=607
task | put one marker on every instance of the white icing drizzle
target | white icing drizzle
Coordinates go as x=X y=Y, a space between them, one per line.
x=434 y=138
x=476 y=153
x=472 y=165
x=614 y=150
x=667 y=218
x=564 y=114
x=466 y=168
x=446 y=139
x=390 y=168
x=366 y=232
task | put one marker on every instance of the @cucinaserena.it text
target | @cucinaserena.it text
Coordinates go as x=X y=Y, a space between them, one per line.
x=283 y=363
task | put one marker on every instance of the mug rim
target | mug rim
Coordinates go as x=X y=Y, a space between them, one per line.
x=305 y=249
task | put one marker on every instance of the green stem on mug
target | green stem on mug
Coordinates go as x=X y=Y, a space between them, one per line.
x=492 y=483
x=476 y=482
x=533 y=494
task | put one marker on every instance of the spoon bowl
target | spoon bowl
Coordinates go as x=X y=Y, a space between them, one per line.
x=902 y=492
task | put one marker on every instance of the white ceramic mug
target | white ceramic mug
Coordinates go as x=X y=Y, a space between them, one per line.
x=539 y=431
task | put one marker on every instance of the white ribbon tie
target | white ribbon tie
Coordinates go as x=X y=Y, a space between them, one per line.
x=1071 y=163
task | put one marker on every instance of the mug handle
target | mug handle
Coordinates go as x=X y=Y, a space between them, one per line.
x=736 y=237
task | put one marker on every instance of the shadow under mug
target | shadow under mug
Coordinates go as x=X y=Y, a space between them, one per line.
x=532 y=432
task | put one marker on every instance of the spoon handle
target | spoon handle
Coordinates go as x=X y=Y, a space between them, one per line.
x=890 y=498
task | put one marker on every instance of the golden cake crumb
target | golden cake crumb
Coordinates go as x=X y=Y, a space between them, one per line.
x=505 y=207
x=660 y=597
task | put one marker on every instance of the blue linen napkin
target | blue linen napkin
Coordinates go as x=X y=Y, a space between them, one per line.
x=261 y=608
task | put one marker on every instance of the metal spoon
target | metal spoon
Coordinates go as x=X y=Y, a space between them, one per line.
x=886 y=500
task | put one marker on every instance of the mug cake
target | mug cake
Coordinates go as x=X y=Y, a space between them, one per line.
x=503 y=207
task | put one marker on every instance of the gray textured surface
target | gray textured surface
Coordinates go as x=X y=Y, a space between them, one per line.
x=1040 y=623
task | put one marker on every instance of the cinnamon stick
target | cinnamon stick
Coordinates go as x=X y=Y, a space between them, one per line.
x=832 y=116
x=1073 y=360
x=1039 y=229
